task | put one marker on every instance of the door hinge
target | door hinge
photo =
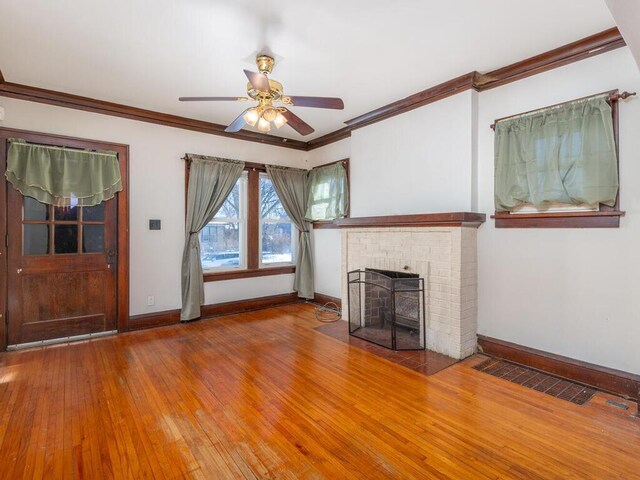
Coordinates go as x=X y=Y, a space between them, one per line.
x=6 y=240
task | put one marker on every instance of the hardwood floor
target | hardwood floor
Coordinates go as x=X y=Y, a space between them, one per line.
x=264 y=395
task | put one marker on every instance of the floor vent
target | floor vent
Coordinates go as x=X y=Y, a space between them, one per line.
x=537 y=380
x=619 y=405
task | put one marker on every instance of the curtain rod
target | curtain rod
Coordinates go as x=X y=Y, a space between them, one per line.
x=263 y=166
x=614 y=96
x=21 y=141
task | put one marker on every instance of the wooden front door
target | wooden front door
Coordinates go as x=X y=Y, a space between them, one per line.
x=62 y=269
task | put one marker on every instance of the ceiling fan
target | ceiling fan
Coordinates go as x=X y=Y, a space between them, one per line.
x=267 y=92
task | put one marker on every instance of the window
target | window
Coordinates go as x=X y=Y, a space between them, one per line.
x=328 y=192
x=223 y=240
x=49 y=230
x=251 y=235
x=558 y=166
x=277 y=238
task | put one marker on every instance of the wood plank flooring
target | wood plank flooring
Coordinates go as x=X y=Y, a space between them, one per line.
x=264 y=395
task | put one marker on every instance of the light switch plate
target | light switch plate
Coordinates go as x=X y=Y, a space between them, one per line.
x=1 y=114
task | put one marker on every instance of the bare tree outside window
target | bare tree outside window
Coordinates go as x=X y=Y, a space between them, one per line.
x=277 y=240
x=223 y=240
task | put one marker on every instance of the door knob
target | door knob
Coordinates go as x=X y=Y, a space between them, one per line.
x=18 y=271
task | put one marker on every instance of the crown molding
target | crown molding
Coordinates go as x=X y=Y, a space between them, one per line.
x=602 y=42
x=430 y=95
x=587 y=47
x=572 y=52
x=335 y=136
x=60 y=99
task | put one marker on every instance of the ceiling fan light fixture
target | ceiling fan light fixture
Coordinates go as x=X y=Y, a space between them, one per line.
x=251 y=117
x=270 y=114
x=263 y=125
x=280 y=120
x=268 y=94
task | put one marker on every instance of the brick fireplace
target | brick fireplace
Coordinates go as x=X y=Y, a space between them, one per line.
x=441 y=249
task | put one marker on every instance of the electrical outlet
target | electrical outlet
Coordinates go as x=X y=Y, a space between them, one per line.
x=151 y=300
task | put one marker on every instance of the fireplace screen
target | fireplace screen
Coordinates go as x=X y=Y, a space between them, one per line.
x=387 y=308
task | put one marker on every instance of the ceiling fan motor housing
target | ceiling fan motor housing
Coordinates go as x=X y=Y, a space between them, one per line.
x=265 y=64
x=274 y=93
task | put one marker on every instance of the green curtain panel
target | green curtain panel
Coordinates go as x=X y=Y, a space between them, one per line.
x=563 y=154
x=210 y=182
x=62 y=176
x=291 y=186
x=328 y=192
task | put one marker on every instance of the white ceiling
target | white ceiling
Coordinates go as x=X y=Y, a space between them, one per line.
x=147 y=53
x=627 y=15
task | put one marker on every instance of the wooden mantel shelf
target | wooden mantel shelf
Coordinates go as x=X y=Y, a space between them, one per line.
x=448 y=219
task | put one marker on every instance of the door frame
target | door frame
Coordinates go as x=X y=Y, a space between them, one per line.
x=122 y=198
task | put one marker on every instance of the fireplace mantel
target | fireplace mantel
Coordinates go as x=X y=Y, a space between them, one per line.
x=447 y=219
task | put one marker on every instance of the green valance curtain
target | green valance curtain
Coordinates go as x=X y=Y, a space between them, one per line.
x=62 y=176
x=211 y=180
x=328 y=192
x=562 y=154
x=291 y=187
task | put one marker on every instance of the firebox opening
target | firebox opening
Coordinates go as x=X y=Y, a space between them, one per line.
x=387 y=308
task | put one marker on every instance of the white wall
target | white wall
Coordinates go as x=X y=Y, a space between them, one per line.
x=574 y=292
x=417 y=162
x=157 y=191
x=326 y=242
x=330 y=153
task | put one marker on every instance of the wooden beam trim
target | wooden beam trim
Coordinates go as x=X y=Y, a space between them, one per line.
x=454 y=219
x=329 y=138
x=604 y=378
x=51 y=97
x=602 y=42
x=430 y=95
x=587 y=47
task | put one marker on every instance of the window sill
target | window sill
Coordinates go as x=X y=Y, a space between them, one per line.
x=601 y=219
x=316 y=224
x=248 y=273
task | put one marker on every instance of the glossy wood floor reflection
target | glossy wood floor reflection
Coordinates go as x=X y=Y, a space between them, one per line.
x=264 y=395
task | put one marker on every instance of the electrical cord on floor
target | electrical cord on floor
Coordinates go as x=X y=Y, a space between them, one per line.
x=328 y=313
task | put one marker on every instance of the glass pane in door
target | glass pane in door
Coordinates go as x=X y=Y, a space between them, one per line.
x=92 y=238
x=93 y=214
x=36 y=239
x=34 y=211
x=65 y=238
x=65 y=213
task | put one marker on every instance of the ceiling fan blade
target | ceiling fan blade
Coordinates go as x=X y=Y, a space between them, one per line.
x=259 y=81
x=295 y=122
x=237 y=124
x=212 y=99
x=316 y=102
